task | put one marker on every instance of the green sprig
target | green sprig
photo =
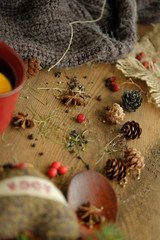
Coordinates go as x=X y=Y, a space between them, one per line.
x=108 y=231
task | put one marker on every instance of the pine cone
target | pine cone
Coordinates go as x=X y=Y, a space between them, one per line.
x=115 y=114
x=115 y=169
x=132 y=100
x=133 y=159
x=131 y=130
x=32 y=67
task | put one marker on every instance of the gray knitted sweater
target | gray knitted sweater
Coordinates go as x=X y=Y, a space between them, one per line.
x=40 y=28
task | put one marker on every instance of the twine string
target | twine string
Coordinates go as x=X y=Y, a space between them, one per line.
x=72 y=32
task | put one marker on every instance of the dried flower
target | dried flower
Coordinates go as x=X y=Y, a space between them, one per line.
x=21 y=120
x=89 y=214
x=72 y=98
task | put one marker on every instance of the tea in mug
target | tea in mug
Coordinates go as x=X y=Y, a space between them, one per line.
x=7 y=77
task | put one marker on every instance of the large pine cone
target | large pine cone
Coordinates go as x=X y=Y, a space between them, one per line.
x=131 y=130
x=115 y=114
x=131 y=100
x=32 y=67
x=115 y=169
x=133 y=159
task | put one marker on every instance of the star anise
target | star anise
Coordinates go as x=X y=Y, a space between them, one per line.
x=72 y=98
x=88 y=213
x=21 y=120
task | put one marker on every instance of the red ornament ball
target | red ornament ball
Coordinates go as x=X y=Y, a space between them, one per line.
x=52 y=172
x=55 y=165
x=81 y=118
x=63 y=170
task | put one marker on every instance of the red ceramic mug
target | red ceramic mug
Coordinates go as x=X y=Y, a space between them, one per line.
x=8 y=100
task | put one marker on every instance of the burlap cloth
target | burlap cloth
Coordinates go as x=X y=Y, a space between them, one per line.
x=41 y=28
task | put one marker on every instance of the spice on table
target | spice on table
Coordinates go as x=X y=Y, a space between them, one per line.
x=41 y=154
x=31 y=136
x=90 y=214
x=21 y=120
x=76 y=141
x=76 y=86
x=57 y=74
x=131 y=130
x=72 y=99
x=33 y=145
x=99 y=98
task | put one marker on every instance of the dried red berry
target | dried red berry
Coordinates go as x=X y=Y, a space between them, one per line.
x=115 y=88
x=81 y=118
x=113 y=83
x=145 y=64
x=63 y=170
x=140 y=56
x=52 y=172
x=55 y=165
x=22 y=165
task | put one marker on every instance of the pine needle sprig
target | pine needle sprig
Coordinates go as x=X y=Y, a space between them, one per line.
x=108 y=231
x=117 y=144
x=24 y=237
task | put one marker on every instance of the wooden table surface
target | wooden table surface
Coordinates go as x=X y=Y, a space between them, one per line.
x=139 y=201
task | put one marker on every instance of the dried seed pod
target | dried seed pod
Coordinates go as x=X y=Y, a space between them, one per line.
x=32 y=67
x=72 y=99
x=131 y=130
x=115 y=114
x=132 y=100
x=133 y=160
x=21 y=120
x=115 y=169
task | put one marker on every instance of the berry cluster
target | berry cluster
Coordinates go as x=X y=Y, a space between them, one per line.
x=111 y=83
x=140 y=56
x=57 y=168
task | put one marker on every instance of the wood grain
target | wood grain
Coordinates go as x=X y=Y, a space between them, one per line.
x=139 y=202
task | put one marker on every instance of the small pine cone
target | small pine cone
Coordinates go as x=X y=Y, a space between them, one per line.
x=132 y=100
x=131 y=130
x=115 y=114
x=133 y=159
x=115 y=169
x=32 y=67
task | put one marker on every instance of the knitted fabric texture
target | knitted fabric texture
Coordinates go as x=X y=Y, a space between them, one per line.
x=148 y=11
x=41 y=29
